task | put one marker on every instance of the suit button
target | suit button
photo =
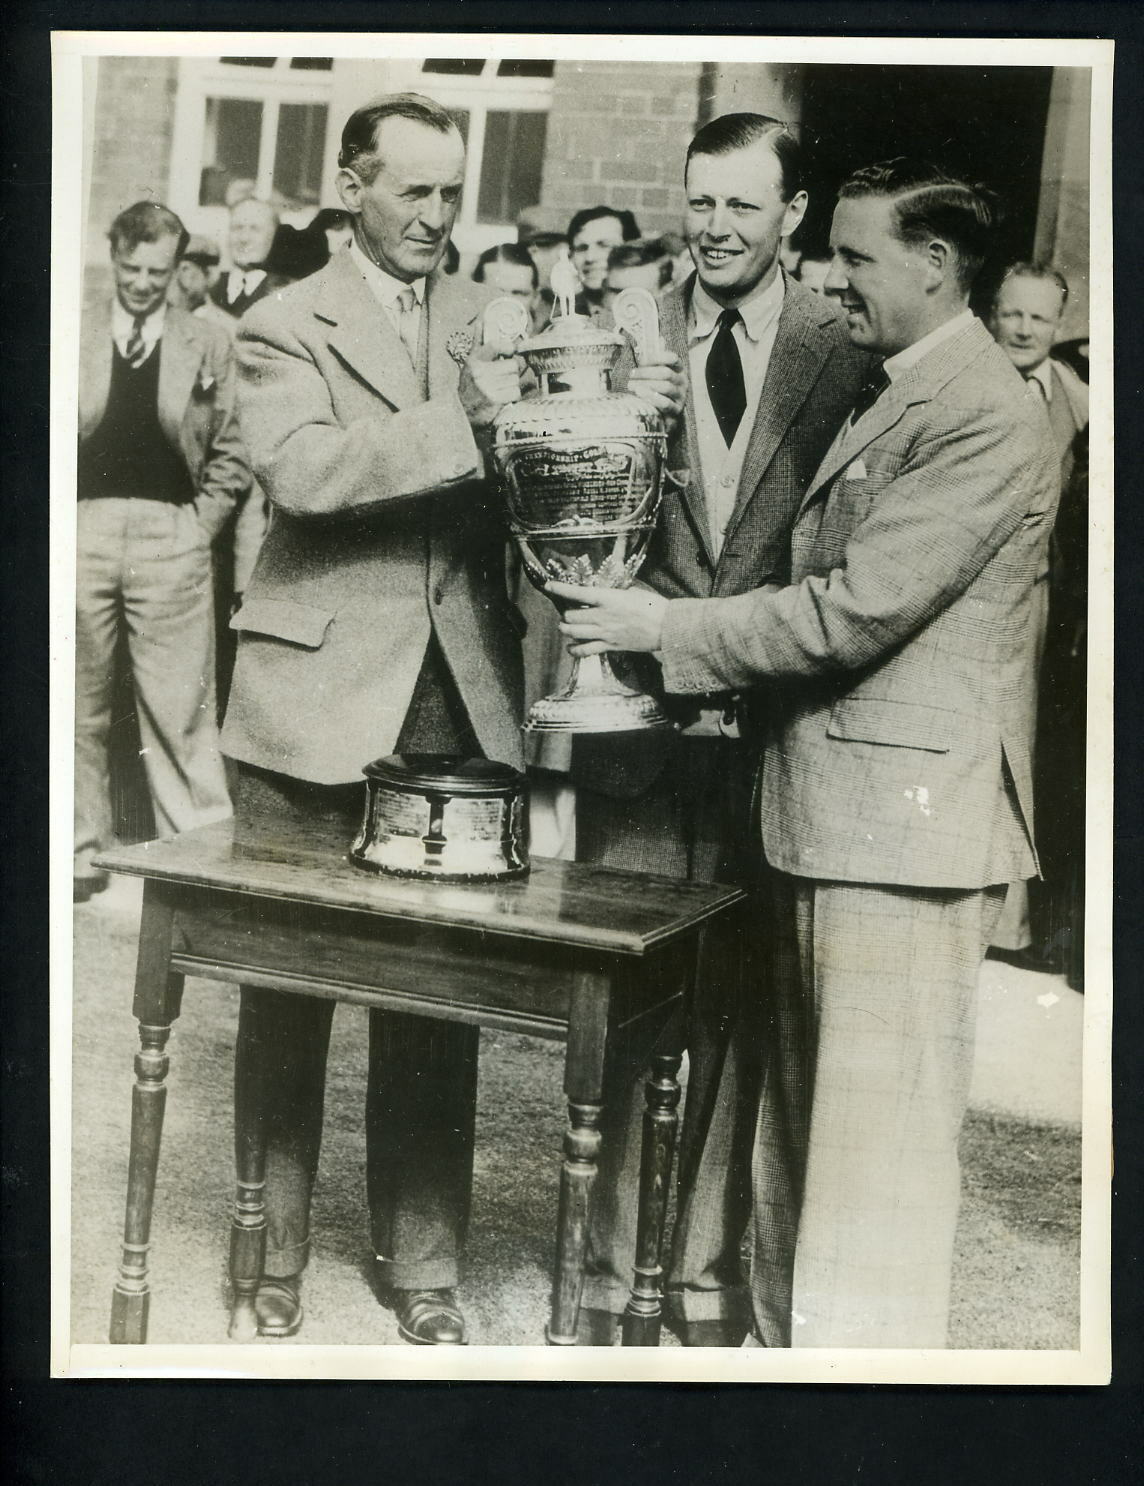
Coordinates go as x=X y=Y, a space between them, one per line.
x=438 y=595
x=460 y=468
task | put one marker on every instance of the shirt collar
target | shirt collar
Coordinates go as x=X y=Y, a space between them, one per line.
x=894 y=366
x=759 y=311
x=384 y=286
x=123 y=323
x=1044 y=375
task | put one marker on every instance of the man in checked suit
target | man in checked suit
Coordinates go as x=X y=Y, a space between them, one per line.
x=896 y=790
x=160 y=466
x=772 y=375
x=377 y=621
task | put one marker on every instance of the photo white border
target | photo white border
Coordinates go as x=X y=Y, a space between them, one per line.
x=1091 y=1362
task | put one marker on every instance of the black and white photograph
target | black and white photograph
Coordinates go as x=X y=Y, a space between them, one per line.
x=586 y=720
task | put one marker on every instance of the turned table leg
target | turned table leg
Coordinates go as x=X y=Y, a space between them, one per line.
x=583 y=1084
x=248 y=1223
x=157 y=997
x=642 y=1318
x=577 y=1177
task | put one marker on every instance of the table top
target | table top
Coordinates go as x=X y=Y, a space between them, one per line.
x=570 y=902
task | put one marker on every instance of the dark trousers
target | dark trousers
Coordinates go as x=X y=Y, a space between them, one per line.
x=694 y=822
x=422 y=1084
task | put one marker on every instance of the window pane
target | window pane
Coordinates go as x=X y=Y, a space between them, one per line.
x=313 y=64
x=299 y=152
x=524 y=68
x=511 y=164
x=249 y=61
x=230 y=146
x=457 y=66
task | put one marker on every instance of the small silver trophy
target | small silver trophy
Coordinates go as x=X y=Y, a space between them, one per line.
x=582 y=469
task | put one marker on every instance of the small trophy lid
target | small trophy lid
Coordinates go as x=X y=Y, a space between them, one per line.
x=445 y=773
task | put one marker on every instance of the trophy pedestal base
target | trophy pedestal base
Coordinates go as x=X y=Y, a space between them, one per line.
x=594 y=701
x=589 y=714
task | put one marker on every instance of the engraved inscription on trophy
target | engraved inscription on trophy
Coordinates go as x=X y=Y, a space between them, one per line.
x=582 y=470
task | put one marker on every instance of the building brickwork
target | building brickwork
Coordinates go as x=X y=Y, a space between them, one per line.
x=131 y=152
x=617 y=135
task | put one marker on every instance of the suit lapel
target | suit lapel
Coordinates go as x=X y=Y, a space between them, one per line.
x=795 y=363
x=446 y=313
x=917 y=385
x=180 y=357
x=674 y=311
x=363 y=336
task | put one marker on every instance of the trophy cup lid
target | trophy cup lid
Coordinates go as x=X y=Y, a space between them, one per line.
x=448 y=773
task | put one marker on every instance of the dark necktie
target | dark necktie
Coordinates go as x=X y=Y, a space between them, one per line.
x=136 y=351
x=725 y=377
x=869 y=394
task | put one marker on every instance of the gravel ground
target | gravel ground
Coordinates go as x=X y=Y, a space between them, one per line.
x=1016 y=1267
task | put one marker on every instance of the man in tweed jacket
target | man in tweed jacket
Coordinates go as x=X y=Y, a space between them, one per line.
x=679 y=802
x=896 y=799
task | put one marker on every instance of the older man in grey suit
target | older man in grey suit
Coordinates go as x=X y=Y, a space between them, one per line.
x=896 y=790
x=377 y=620
x=772 y=376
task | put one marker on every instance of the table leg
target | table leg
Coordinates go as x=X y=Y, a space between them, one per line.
x=158 y=993
x=248 y=1224
x=577 y=1177
x=642 y=1318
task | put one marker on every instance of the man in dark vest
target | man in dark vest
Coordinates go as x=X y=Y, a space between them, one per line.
x=160 y=466
x=253 y=227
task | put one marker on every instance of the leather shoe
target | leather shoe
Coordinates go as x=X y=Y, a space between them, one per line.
x=278 y=1306
x=84 y=888
x=429 y=1318
x=724 y=1333
x=596 y=1328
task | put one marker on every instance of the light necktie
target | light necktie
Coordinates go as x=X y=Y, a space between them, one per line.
x=136 y=351
x=406 y=304
x=725 y=386
x=1039 y=385
x=869 y=394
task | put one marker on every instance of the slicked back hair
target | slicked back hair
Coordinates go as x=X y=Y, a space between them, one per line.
x=359 y=137
x=506 y=253
x=929 y=203
x=730 y=132
x=146 y=222
x=1044 y=271
x=628 y=224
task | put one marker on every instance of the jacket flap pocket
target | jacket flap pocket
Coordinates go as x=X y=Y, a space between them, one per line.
x=900 y=724
x=285 y=619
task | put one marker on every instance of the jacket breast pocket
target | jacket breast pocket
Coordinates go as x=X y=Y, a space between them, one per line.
x=895 y=724
x=283 y=619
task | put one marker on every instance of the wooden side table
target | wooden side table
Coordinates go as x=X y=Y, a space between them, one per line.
x=599 y=958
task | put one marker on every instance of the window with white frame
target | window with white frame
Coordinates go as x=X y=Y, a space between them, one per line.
x=259 y=125
x=249 y=126
x=501 y=107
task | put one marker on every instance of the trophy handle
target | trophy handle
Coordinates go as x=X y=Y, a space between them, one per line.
x=636 y=311
x=505 y=319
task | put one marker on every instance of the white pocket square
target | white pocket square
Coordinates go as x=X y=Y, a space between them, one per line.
x=856 y=471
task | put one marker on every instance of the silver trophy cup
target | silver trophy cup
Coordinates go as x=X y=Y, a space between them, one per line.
x=582 y=470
